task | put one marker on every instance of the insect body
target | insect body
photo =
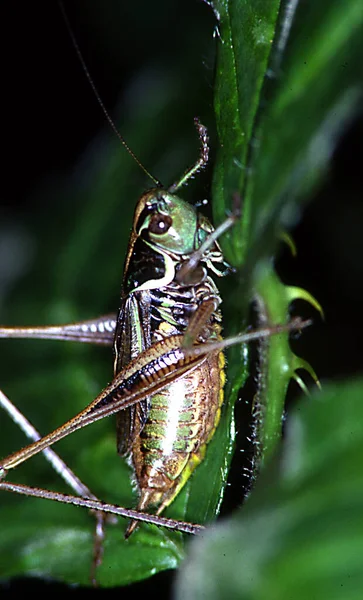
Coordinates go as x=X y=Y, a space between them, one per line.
x=167 y=396
x=166 y=433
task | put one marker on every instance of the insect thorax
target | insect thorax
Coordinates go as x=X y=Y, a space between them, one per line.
x=160 y=295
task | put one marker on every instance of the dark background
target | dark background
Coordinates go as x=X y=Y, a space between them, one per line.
x=50 y=117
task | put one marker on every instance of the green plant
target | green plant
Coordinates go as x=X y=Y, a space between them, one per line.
x=275 y=135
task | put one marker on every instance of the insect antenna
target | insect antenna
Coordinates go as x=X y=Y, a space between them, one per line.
x=98 y=97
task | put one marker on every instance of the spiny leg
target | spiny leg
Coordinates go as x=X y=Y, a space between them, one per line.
x=296 y=324
x=39 y=445
x=52 y=457
x=193 y=261
x=98 y=331
x=97 y=506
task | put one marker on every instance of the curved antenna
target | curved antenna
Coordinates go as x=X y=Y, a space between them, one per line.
x=98 y=97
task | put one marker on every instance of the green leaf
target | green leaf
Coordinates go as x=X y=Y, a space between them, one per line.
x=282 y=98
x=300 y=535
x=288 y=78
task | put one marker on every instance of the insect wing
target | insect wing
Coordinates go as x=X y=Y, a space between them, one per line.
x=131 y=338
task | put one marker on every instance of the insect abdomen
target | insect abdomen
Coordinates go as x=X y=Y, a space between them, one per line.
x=182 y=420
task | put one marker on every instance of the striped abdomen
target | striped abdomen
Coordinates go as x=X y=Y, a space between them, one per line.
x=181 y=421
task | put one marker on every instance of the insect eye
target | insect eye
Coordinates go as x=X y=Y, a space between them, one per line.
x=160 y=224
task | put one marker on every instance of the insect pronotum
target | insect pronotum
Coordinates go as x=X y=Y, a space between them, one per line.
x=167 y=390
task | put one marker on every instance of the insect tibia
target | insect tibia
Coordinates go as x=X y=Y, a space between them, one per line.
x=97 y=506
x=295 y=325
